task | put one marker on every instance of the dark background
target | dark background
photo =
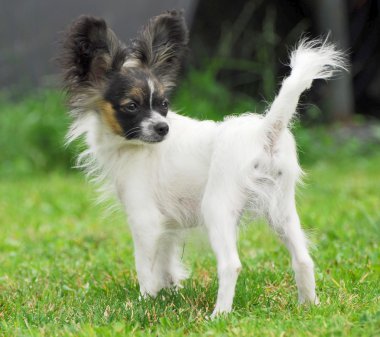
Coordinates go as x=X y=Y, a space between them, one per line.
x=262 y=30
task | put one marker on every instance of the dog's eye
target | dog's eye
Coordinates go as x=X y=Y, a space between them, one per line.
x=132 y=107
x=165 y=104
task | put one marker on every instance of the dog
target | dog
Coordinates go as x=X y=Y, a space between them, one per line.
x=172 y=172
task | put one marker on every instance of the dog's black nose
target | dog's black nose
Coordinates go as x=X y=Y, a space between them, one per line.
x=161 y=128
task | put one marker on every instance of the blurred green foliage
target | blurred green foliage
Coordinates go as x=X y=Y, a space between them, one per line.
x=32 y=134
x=201 y=96
x=33 y=129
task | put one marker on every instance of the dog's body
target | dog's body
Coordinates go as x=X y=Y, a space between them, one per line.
x=171 y=172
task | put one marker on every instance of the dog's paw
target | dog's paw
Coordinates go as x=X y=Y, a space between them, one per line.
x=178 y=275
x=143 y=297
x=219 y=312
x=176 y=287
x=144 y=294
x=309 y=301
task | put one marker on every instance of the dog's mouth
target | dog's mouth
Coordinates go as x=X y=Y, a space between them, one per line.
x=146 y=136
x=151 y=139
x=154 y=132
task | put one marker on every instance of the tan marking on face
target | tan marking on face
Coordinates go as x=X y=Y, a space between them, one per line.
x=125 y=101
x=137 y=94
x=109 y=116
x=160 y=88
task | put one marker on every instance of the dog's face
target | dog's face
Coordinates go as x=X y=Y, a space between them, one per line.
x=135 y=105
x=127 y=87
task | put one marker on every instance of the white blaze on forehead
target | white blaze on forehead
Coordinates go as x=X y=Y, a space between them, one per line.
x=151 y=89
x=131 y=63
x=157 y=117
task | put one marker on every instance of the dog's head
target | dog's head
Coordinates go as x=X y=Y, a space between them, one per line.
x=127 y=86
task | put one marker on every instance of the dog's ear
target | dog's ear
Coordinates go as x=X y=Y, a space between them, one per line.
x=90 y=51
x=161 y=47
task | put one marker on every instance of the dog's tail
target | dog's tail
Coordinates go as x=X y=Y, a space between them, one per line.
x=312 y=59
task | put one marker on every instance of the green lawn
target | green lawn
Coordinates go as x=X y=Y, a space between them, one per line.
x=66 y=265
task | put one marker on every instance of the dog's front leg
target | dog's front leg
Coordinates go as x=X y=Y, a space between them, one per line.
x=147 y=228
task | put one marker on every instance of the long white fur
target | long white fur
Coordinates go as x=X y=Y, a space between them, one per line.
x=208 y=174
x=307 y=65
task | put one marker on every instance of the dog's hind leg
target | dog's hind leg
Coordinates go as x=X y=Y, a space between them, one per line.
x=221 y=209
x=285 y=221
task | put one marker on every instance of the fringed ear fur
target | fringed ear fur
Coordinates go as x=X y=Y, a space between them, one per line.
x=90 y=51
x=161 y=47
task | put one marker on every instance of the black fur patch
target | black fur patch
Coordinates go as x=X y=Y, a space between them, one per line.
x=121 y=86
x=90 y=52
x=161 y=46
x=132 y=87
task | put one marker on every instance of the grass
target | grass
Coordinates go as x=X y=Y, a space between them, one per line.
x=66 y=268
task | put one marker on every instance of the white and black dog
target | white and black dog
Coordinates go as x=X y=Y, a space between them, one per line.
x=172 y=172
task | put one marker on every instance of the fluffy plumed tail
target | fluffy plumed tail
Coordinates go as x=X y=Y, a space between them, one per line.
x=312 y=59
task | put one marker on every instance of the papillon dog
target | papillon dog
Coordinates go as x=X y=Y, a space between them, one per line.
x=172 y=172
